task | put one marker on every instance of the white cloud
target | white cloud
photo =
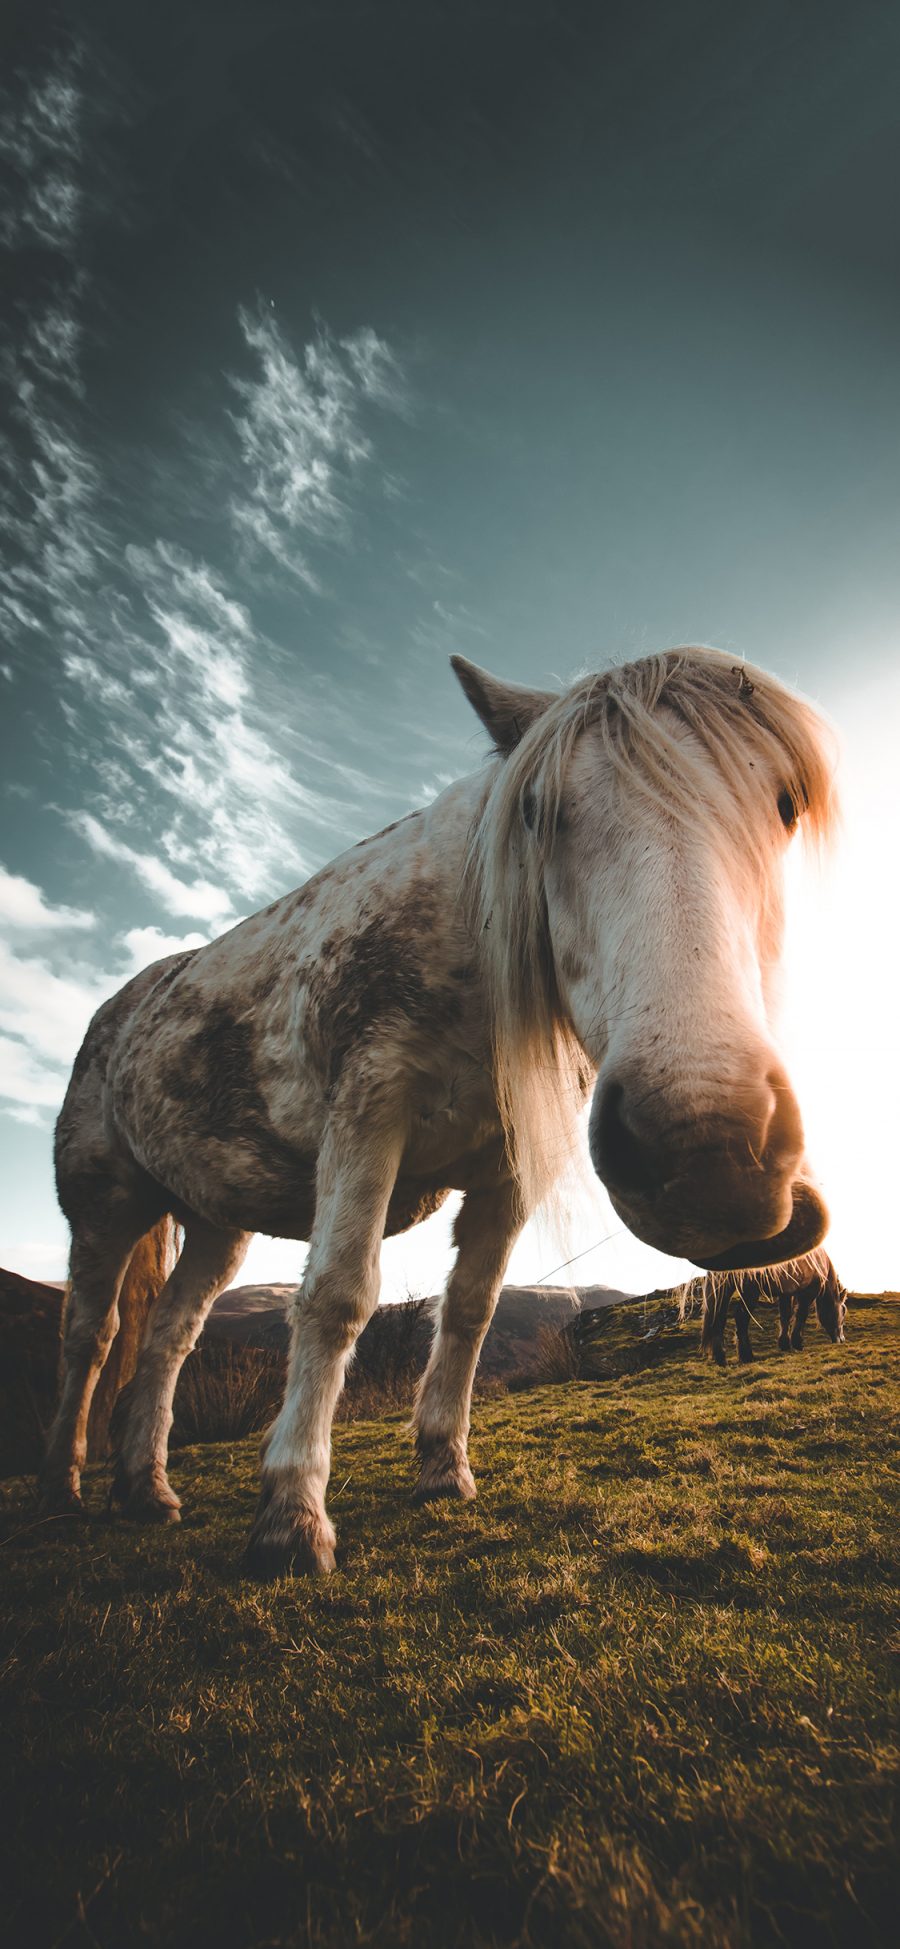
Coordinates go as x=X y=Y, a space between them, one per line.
x=24 y=1079
x=144 y=945
x=50 y=1012
x=199 y=900
x=42 y=1258
x=23 y=906
x=44 y=1014
x=57 y=543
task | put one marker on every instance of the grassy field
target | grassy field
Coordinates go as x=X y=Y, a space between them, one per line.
x=639 y=1693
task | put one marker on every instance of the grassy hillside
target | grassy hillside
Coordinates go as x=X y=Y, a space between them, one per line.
x=639 y=1693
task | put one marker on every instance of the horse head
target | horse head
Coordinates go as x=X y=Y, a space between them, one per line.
x=630 y=860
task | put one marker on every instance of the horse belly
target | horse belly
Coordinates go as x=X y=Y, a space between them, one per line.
x=235 y=1181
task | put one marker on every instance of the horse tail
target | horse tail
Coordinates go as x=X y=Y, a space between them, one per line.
x=151 y=1262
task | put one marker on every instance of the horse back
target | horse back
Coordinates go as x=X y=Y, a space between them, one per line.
x=217 y=1070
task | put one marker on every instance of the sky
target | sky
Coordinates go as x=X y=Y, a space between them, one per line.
x=339 y=338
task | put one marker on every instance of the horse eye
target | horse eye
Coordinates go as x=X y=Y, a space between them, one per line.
x=787 y=810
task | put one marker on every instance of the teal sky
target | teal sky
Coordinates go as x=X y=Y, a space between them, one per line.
x=341 y=337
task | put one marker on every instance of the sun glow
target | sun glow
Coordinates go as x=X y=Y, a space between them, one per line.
x=840 y=1032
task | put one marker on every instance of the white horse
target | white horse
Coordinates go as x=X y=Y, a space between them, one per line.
x=599 y=905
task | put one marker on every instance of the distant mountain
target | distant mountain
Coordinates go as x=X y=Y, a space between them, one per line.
x=30 y=1316
x=396 y=1340
x=257 y=1316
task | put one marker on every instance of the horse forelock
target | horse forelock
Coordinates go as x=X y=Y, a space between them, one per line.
x=738 y=717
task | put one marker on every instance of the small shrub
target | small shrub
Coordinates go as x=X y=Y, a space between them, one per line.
x=552 y=1359
x=226 y=1393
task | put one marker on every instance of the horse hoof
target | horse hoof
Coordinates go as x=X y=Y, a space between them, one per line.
x=142 y=1508
x=144 y=1498
x=54 y=1503
x=287 y=1541
x=444 y=1472
x=266 y=1559
x=294 y=1554
x=149 y=1510
x=451 y=1488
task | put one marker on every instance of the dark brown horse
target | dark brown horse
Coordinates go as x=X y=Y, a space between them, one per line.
x=797 y=1285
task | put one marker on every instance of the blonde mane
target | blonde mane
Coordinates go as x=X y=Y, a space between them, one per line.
x=734 y=712
x=713 y=1286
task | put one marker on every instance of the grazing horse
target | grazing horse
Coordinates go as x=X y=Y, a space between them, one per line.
x=798 y=1285
x=598 y=908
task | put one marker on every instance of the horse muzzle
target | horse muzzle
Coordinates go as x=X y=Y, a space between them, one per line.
x=725 y=1189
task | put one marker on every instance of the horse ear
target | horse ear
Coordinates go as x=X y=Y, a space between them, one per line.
x=507 y=711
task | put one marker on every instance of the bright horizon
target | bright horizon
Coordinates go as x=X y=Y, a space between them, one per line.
x=567 y=368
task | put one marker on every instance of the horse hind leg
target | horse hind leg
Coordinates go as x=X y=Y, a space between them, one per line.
x=712 y=1332
x=742 y=1318
x=785 y=1309
x=801 y=1314
x=209 y=1260
x=98 y=1263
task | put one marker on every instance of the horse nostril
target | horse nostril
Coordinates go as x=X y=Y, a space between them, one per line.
x=621 y=1157
x=783 y=1136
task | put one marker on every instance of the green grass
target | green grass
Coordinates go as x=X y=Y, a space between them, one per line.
x=638 y=1694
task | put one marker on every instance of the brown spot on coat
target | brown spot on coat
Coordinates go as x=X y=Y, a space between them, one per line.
x=369 y=976
x=215 y=1066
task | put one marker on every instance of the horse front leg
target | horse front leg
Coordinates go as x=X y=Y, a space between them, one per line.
x=356 y=1173
x=485 y=1232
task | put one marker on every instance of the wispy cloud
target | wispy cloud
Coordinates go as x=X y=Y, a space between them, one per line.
x=301 y=435
x=41 y=141
x=50 y=486
x=203 y=782
x=52 y=342
x=48 y=499
x=211 y=748
x=198 y=899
